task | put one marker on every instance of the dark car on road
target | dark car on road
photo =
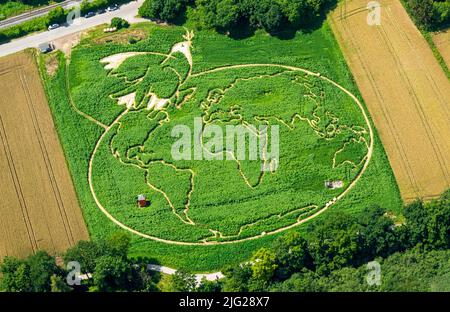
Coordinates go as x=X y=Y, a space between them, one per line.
x=89 y=14
x=46 y=47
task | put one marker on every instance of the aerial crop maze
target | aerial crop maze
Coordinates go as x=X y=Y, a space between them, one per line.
x=325 y=144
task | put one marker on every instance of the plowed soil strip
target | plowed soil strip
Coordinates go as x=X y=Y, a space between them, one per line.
x=39 y=208
x=405 y=90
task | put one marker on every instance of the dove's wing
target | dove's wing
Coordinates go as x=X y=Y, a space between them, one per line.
x=147 y=75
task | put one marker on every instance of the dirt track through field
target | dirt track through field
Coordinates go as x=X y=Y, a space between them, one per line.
x=38 y=208
x=405 y=90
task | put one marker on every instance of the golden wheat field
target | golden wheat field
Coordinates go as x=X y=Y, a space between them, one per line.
x=38 y=206
x=405 y=90
x=442 y=41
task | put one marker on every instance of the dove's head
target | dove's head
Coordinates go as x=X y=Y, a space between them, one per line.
x=188 y=36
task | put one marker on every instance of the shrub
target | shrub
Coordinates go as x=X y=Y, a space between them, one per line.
x=56 y=15
x=429 y=14
x=3 y=38
x=441 y=12
x=30 y=274
x=119 y=23
x=86 y=6
x=132 y=40
x=23 y=29
x=166 y=10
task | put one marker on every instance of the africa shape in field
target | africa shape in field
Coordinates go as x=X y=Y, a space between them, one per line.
x=323 y=136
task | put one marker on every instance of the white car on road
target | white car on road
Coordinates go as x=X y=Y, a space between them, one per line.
x=113 y=7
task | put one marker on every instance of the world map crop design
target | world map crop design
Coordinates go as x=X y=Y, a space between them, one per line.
x=324 y=135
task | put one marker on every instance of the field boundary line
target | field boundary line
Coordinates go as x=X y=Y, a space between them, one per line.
x=18 y=187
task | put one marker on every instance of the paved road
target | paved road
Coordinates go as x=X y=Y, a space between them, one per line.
x=36 y=13
x=198 y=277
x=169 y=271
x=127 y=11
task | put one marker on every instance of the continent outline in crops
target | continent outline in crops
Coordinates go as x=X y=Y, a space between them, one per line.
x=155 y=106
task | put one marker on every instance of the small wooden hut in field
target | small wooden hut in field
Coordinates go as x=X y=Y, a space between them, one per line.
x=141 y=201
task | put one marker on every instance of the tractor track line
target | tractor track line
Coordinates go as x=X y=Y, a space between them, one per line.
x=48 y=164
x=428 y=75
x=417 y=104
x=18 y=188
x=406 y=164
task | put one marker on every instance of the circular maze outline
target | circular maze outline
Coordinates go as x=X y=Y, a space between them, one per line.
x=319 y=209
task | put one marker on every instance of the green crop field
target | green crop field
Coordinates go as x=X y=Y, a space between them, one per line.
x=118 y=107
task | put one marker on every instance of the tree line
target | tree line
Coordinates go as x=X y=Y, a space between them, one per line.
x=30 y=2
x=105 y=259
x=105 y=265
x=338 y=248
x=225 y=15
x=413 y=251
x=429 y=14
x=414 y=270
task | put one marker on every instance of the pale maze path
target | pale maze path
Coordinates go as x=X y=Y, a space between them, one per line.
x=405 y=90
x=74 y=107
x=38 y=207
x=129 y=161
x=322 y=209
